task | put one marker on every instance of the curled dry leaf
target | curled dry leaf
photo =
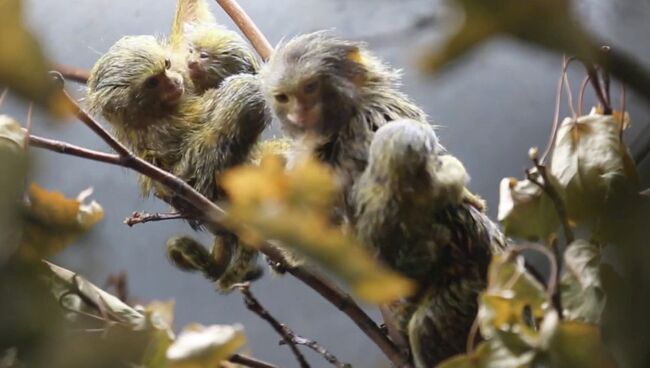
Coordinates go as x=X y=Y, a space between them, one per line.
x=588 y=156
x=583 y=297
x=200 y=346
x=525 y=210
x=294 y=207
x=54 y=221
x=513 y=305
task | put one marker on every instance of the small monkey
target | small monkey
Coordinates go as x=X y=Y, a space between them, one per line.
x=211 y=52
x=144 y=96
x=410 y=209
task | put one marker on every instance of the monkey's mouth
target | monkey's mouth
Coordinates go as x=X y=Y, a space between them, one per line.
x=173 y=94
x=195 y=69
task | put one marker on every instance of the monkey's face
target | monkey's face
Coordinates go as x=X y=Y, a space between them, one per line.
x=134 y=80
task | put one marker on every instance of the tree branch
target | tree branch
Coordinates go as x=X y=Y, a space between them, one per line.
x=315 y=346
x=249 y=362
x=72 y=73
x=212 y=214
x=144 y=217
x=248 y=27
x=256 y=307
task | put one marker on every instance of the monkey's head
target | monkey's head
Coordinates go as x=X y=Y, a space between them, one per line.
x=313 y=83
x=215 y=53
x=134 y=81
x=402 y=148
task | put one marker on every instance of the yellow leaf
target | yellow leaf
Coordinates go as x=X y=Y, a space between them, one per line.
x=54 y=221
x=23 y=67
x=295 y=208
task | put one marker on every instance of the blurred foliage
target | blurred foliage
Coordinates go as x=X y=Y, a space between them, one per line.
x=295 y=208
x=54 y=221
x=549 y=24
x=23 y=67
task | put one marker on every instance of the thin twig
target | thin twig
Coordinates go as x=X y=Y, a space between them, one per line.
x=256 y=307
x=606 y=82
x=315 y=346
x=551 y=287
x=595 y=82
x=248 y=27
x=565 y=67
x=556 y=297
x=73 y=73
x=556 y=113
x=471 y=336
x=249 y=362
x=213 y=214
x=314 y=280
x=548 y=188
x=3 y=95
x=28 y=125
x=144 y=217
x=581 y=96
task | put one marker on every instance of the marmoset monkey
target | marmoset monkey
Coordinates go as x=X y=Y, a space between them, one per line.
x=330 y=96
x=138 y=89
x=211 y=52
x=410 y=209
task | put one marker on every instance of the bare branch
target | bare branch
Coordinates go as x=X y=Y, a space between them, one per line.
x=256 y=307
x=248 y=27
x=315 y=346
x=249 y=362
x=213 y=214
x=144 y=217
x=72 y=73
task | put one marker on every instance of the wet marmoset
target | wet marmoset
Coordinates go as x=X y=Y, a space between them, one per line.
x=148 y=100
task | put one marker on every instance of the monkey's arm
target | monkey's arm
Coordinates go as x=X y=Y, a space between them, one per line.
x=237 y=117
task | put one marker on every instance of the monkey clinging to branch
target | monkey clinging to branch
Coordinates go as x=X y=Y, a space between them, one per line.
x=147 y=99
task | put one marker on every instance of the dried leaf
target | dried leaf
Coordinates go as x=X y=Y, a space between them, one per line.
x=513 y=304
x=578 y=345
x=583 y=297
x=54 y=221
x=294 y=207
x=489 y=354
x=588 y=156
x=525 y=210
x=23 y=67
x=67 y=282
x=160 y=317
x=200 y=346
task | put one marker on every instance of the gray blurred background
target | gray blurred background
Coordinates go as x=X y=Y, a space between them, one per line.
x=491 y=108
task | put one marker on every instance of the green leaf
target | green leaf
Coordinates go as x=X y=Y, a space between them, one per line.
x=583 y=297
x=205 y=346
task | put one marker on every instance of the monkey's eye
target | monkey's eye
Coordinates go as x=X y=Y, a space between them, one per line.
x=168 y=64
x=281 y=98
x=203 y=55
x=311 y=87
x=151 y=82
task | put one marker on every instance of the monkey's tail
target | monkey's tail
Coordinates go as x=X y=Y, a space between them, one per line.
x=189 y=13
x=226 y=264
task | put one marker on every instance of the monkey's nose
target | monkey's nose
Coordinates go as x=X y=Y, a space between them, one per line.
x=193 y=65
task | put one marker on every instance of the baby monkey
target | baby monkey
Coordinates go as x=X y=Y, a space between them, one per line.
x=410 y=210
x=211 y=52
x=139 y=90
